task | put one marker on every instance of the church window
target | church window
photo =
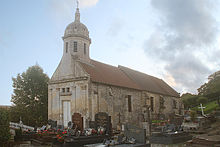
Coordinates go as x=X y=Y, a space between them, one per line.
x=63 y=90
x=75 y=46
x=67 y=89
x=84 y=48
x=174 y=104
x=129 y=103
x=66 y=47
x=152 y=103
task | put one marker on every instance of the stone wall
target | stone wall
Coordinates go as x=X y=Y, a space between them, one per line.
x=114 y=100
x=89 y=98
x=77 y=93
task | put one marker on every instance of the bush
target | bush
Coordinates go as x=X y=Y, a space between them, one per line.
x=4 y=127
x=18 y=134
x=202 y=100
x=193 y=115
x=189 y=100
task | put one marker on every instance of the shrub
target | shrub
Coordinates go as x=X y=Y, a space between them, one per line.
x=202 y=100
x=4 y=127
x=193 y=115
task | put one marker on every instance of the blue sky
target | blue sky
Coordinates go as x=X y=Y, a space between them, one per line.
x=177 y=41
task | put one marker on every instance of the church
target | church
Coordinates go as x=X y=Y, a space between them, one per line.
x=81 y=85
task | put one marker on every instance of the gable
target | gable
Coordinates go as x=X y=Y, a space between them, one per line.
x=68 y=69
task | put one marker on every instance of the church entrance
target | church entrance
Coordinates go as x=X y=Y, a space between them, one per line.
x=66 y=113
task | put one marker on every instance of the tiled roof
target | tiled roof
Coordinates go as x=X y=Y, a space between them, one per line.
x=107 y=74
x=126 y=77
x=149 y=83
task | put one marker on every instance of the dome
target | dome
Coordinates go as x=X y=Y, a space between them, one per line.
x=76 y=28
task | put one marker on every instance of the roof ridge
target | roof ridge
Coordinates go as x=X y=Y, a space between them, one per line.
x=138 y=72
x=103 y=63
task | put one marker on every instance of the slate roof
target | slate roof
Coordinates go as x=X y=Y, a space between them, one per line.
x=126 y=77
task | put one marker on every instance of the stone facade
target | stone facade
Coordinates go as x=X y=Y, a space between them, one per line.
x=72 y=90
x=89 y=98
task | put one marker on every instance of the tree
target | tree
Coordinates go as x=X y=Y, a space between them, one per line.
x=189 y=100
x=202 y=100
x=211 y=89
x=193 y=115
x=4 y=127
x=30 y=97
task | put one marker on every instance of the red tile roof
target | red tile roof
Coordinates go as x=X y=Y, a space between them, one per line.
x=107 y=74
x=126 y=77
x=149 y=83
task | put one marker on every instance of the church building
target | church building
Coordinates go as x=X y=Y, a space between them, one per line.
x=81 y=85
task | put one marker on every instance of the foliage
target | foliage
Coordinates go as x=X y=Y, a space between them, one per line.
x=192 y=115
x=157 y=121
x=202 y=100
x=189 y=100
x=209 y=107
x=30 y=97
x=211 y=89
x=60 y=135
x=4 y=126
x=18 y=134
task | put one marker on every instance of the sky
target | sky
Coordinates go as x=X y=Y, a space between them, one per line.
x=177 y=41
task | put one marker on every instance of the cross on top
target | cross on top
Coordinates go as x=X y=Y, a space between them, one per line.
x=77 y=4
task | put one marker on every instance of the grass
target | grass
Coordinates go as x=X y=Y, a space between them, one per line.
x=209 y=107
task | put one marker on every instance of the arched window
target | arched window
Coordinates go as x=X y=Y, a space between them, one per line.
x=75 y=46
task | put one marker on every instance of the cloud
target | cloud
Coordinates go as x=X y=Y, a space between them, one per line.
x=87 y=3
x=186 y=30
x=188 y=73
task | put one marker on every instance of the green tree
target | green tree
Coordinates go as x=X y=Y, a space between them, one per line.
x=4 y=127
x=211 y=89
x=202 y=100
x=193 y=115
x=30 y=97
x=189 y=100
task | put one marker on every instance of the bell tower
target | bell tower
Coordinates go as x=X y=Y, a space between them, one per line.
x=76 y=40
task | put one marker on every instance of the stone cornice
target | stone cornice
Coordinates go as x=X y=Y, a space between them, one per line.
x=67 y=80
x=77 y=35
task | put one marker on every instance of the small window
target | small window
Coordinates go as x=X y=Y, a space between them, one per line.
x=84 y=48
x=75 y=46
x=174 y=104
x=129 y=103
x=67 y=89
x=63 y=90
x=152 y=103
x=66 y=47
